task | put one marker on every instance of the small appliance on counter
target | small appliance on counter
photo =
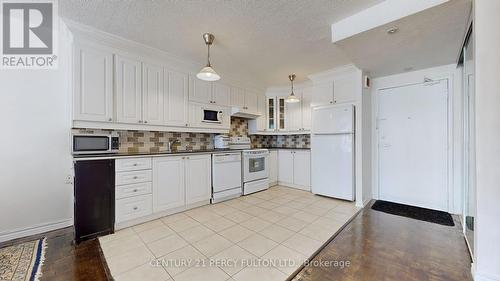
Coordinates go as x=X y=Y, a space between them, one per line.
x=240 y=143
x=95 y=143
x=221 y=142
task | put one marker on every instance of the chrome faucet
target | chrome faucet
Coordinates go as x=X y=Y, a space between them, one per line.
x=170 y=144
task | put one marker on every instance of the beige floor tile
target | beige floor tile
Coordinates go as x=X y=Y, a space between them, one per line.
x=284 y=210
x=263 y=195
x=272 y=216
x=297 y=205
x=202 y=274
x=257 y=244
x=260 y=274
x=156 y=233
x=328 y=223
x=316 y=210
x=173 y=218
x=302 y=244
x=129 y=260
x=117 y=235
x=232 y=259
x=238 y=216
x=252 y=200
x=293 y=224
x=182 y=259
x=318 y=232
x=212 y=245
x=237 y=204
x=276 y=233
x=255 y=224
x=145 y=272
x=166 y=245
x=196 y=233
x=254 y=210
x=280 y=200
x=305 y=216
x=222 y=209
x=236 y=233
x=183 y=224
x=148 y=225
x=285 y=259
x=121 y=245
x=341 y=217
x=346 y=208
x=202 y=215
x=219 y=224
x=268 y=205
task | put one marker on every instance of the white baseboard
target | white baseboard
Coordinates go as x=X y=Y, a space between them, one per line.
x=485 y=277
x=301 y=187
x=363 y=204
x=36 y=229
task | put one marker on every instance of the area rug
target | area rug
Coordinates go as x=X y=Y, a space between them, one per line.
x=413 y=212
x=22 y=262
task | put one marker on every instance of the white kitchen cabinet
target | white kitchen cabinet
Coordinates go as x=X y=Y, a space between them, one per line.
x=221 y=94
x=168 y=183
x=271 y=114
x=258 y=125
x=294 y=168
x=294 y=115
x=93 y=83
x=175 y=99
x=237 y=97
x=199 y=90
x=128 y=84
x=198 y=178
x=344 y=88
x=281 y=113
x=273 y=167
x=285 y=166
x=152 y=94
x=251 y=102
x=306 y=109
x=322 y=93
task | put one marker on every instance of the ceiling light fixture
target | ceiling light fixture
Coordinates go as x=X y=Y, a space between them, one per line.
x=392 y=30
x=207 y=73
x=292 y=98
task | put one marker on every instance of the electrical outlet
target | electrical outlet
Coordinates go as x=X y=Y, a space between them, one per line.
x=69 y=179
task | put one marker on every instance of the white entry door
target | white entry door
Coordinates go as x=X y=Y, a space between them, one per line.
x=412 y=144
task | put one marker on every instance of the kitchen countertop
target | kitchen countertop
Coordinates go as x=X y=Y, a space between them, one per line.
x=80 y=157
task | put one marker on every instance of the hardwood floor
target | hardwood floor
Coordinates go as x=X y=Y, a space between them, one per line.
x=380 y=246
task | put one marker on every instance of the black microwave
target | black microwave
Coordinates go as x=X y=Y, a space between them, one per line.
x=95 y=143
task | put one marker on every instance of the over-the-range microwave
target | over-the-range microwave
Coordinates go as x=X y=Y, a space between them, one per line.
x=95 y=143
x=211 y=115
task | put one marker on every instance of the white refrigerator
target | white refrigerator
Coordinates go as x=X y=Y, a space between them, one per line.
x=332 y=151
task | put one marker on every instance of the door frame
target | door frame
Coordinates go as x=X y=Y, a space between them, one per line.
x=450 y=147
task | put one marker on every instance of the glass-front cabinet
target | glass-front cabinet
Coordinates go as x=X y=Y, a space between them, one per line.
x=276 y=112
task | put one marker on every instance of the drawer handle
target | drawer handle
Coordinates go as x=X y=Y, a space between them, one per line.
x=135 y=164
x=135 y=177
x=135 y=208
x=135 y=190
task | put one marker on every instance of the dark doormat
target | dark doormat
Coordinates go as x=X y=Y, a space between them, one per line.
x=412 y=212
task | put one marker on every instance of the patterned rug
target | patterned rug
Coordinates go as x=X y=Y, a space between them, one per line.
x=22 y=262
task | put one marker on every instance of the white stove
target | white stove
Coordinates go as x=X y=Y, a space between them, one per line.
x=240 y=143
x=255 y=170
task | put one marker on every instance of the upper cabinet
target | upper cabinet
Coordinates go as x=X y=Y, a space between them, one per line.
x=237 y=97
x=128 y=90
x=152 y=94
x=175 y=99
x=200 y=91
x=251 y=102
x=339 y=86
x=93 y=83
x=221 y=94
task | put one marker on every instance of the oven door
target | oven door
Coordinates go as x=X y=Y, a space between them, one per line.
x=91 y=144
x=255 y=167
x=211 y=116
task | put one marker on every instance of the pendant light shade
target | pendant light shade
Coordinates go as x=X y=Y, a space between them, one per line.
x=207 y=73
x=292 y=98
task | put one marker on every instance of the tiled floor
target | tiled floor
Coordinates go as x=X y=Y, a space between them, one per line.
x=263 y=236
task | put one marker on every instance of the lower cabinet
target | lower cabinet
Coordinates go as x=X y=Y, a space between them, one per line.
x=294 y=168
x=180 y=181
x=273 y=167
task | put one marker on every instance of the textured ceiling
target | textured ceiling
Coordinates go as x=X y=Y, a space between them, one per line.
x=264 y=40
x=430 y=38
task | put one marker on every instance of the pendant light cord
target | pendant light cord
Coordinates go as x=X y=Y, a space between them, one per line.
x=208 y=56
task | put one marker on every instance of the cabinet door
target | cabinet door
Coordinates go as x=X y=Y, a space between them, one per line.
x=93 y=84
x=237 y=97
x=306 y=110
x=221 y=94
x=281 y=113
x=285 y=166
x=261 y=108
x=251 y=102
x=271 y=114
x=273 y=166
x=198 y=178
x=345 y=87
x=322 y=93
x=128 y=90
x=175 y=103
x=302 y=167
x=168 y=183
x=199 y=91
x=293 y=116
x=152 y=94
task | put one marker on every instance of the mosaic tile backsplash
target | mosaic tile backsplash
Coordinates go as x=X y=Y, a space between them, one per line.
x=147 y=141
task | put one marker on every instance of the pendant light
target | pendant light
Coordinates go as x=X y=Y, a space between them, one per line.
x=292 y=98
x=207 y=73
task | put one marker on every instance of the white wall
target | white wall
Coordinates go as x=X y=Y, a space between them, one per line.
x=487 y=93
x=35 y=157
x=367 y=143
x=455 y=114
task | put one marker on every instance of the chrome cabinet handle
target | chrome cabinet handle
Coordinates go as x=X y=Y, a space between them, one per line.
x=135 y=190
x=110 y=119
x=145 y=121
x=135 y=177
x=140 y=121
x=135 y=164
x=135 y=208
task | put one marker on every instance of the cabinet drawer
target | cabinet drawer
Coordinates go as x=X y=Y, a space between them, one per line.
x=129 y=190
x=132 y=164
x=133 y=207
x=133 y=177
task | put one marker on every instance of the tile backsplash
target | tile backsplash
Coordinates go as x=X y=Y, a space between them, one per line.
x=148 y=141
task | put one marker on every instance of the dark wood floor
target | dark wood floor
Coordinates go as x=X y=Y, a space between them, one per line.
x=381 y=246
